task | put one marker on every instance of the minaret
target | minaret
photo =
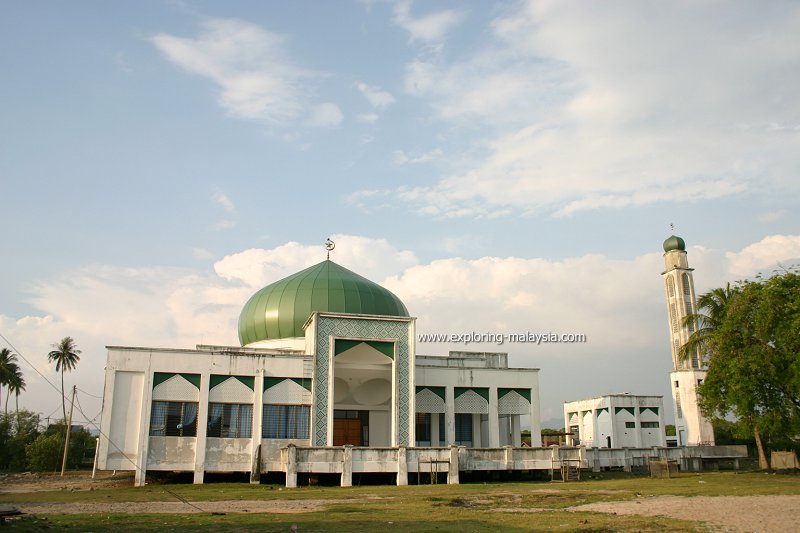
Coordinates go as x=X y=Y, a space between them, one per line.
x=692 y=428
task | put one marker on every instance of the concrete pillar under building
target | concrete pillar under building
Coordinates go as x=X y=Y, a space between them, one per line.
x=452 y=473
x=402 y=466
x=347 y=466
x=291 y=466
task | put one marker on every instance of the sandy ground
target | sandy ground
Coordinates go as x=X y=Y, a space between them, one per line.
x=32 y=482
x=724 y=513
x=728 y=513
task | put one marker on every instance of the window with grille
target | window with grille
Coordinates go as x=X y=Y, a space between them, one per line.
x=464 y=429
x=630 y=425
x=649 y=425
x=285 y=421
x=686 y=290
x=230 y=420
x=173 y=419
x=678 y=407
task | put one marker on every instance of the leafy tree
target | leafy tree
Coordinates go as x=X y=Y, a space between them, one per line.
x=669 y=430
x=753 y=365
x=44 y=453
x=15 y=434
x=66 y=357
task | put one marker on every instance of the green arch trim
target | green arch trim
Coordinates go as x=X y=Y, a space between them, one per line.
x=247 y=381
x=161 y=377
x=631 y=410
x=438 y=391
x=525 y=393
x=271 y=381
x=342 y=345
x=654 y=409
x=482 y=391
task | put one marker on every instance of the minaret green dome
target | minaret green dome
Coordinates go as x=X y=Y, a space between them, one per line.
x=279 y=310
x=673 y=243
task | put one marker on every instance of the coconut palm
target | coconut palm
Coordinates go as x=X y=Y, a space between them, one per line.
x=711 y=308
x=16 y=384
x=66 y=358
x=8 y=362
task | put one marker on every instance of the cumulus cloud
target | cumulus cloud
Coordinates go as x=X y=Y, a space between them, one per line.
x=616 y=302
x=249 y=65
x=684 y=102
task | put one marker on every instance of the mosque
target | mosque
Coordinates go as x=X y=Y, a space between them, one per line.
x=327 y=359
x=327 y=380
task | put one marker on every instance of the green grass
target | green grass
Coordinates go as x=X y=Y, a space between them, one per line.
x=464 y=508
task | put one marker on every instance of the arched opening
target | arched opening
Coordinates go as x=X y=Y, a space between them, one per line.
x=362 y=391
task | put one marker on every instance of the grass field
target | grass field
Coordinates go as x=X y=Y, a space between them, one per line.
x=491 y=507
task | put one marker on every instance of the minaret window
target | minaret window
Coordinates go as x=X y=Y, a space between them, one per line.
x=686 y=289
x=673 y=317
x=670 y=288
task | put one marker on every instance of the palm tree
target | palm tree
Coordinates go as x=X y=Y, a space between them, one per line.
x=16 y=385
x=711 y=309
x=66 y=358
x=8 y=362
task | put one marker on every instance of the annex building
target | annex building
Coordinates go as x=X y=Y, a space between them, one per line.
x=327 y=379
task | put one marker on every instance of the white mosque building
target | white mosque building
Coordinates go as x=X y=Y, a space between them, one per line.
x=327 y=361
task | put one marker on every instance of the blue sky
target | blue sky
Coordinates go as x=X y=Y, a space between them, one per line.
x=501 y=166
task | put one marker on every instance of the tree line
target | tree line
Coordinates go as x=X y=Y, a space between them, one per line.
x=23 y=443
x=749 y=336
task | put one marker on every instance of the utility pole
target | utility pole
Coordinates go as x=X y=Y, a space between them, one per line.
x=69 y=427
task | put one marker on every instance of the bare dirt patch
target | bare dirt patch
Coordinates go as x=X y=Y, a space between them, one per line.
x=33 y=482
x=728 y=513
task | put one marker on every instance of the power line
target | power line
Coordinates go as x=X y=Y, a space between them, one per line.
x=100 y=432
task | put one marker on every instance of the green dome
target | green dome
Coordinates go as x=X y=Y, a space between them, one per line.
x=279 y=310
x=674 y=242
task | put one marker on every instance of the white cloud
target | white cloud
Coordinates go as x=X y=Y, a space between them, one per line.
x=377 y=97
x=689 y=101
x=764 y=256
x=327 y=115
x=247 y=62
x=403 y=158
x=616 y=302
x=428 y=28
x=368 y=118
x=223 y=200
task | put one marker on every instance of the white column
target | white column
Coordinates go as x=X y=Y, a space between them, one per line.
x=516 y=433
x=450 y=416
x=202 y=426
x=476 y=430
x=144 y=426
x=434 y=429
x=595 y=429
x=536 y=425
x=638 y=422
x=494 y=419
x=661 y=427
x=258 y=412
